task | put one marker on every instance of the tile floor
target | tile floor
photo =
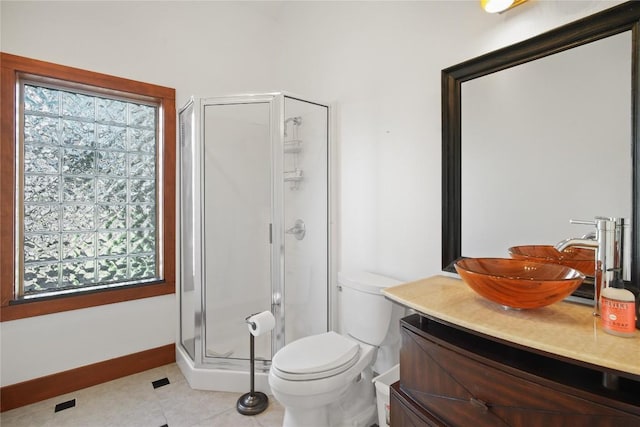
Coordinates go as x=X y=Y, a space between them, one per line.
x=133 y=401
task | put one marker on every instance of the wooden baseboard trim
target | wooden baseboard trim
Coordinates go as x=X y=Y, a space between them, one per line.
x=27 y=392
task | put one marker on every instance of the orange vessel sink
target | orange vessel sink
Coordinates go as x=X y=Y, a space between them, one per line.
x=517 y=283
x=580 y=259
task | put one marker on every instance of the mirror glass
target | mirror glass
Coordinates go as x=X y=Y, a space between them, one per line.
x=544 y=142
x=523 y=155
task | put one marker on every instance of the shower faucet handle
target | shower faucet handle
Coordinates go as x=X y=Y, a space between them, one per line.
x=299 y=229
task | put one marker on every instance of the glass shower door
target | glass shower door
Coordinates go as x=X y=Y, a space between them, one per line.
x=236 y=228
x=305 y=197
x=189 y=265
x=254 y=225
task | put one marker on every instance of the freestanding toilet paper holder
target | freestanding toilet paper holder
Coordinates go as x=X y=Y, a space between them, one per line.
x=254 y=402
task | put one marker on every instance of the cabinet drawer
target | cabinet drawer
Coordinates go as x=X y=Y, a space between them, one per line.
x=463 y=389
x=405 y=413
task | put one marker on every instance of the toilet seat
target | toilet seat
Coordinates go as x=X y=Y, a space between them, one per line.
x=316 y=357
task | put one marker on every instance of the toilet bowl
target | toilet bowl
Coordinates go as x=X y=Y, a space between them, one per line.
x=325 y=380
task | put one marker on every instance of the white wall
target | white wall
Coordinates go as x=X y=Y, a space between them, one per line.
x=39 y=346
x=379 y=63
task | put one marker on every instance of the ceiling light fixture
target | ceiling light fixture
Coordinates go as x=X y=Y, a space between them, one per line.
x=499 y=6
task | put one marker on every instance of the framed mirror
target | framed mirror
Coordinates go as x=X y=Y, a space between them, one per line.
x=540 y=132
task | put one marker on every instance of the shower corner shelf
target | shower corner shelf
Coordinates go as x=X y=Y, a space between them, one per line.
x=295 y=175
x=293 y=146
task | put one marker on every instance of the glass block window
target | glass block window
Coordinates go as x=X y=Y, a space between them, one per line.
x=87 y=199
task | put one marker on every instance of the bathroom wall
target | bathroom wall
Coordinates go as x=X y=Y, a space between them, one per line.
x=378 y=62
x=381 y=63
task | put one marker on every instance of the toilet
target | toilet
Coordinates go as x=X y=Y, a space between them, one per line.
x=324 y=380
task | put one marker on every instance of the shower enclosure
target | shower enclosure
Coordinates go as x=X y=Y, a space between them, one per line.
x=255 y=231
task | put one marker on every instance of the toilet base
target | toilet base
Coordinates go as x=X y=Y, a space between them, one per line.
x=316 y=417
x=326 y=417
x=354 y=407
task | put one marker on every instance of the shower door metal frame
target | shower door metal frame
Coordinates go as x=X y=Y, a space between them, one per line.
x=197 y=256
x=276 y=103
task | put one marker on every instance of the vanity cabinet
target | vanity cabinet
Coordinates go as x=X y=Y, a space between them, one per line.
x=450 y=376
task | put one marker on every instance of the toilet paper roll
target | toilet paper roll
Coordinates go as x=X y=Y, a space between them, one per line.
x=261 y=323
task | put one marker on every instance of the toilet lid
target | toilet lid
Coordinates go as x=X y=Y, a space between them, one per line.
x=317 y=356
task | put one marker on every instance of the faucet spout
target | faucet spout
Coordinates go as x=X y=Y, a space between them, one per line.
x=576 y=242
x=607 y=241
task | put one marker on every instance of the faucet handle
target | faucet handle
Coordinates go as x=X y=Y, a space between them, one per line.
x=597 y=220
x=582 y=222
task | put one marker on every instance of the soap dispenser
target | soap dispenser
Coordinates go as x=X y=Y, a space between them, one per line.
x=638 y=310
x=617 y=309
x=636 y=294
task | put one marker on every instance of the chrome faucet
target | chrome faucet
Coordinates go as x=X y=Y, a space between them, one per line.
x=607 y=242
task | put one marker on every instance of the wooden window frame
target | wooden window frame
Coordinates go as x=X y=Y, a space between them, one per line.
x=11 y=68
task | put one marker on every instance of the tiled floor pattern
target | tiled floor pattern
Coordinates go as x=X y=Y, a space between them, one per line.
x=133 y=401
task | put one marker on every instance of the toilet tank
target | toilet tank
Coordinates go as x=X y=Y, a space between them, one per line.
x=365 y=313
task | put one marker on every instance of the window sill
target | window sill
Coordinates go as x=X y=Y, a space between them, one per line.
x=36 y=307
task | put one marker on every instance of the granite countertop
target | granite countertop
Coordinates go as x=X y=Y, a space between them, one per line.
x=564 y=328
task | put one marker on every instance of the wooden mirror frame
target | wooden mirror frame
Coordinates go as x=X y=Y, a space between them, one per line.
x=624 y=17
